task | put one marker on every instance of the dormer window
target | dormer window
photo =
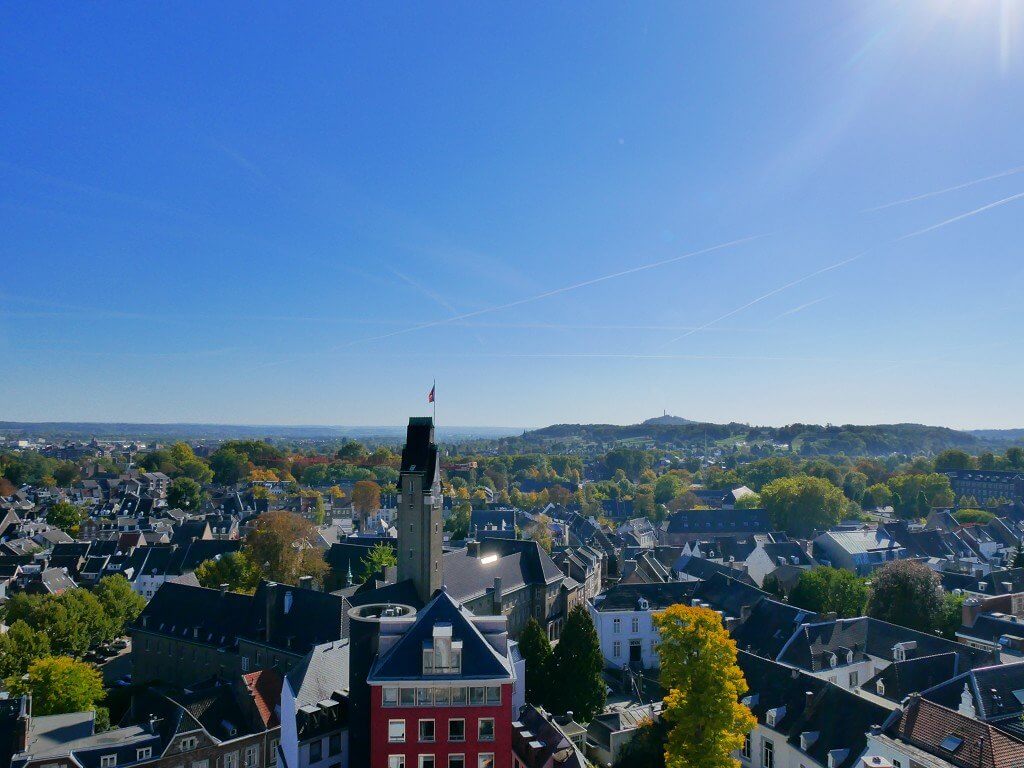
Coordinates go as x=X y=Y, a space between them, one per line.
x=442 y=655
x=849 y=657
x=832 y=660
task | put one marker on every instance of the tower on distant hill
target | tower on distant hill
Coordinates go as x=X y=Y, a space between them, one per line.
x=419 y=509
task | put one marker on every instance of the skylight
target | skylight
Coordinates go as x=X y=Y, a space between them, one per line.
x=488 y=559
x=951 y=743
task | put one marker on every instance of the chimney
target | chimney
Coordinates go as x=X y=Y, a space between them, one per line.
x=497 y=595
x=473 y=548
x=223 y=588
x=305 y=582
x=808 y=698
x=969 y=611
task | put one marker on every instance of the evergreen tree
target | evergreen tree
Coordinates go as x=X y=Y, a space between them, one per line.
x=922 y=507
x=1018 y=556
x=578 y=683
x=536 y=650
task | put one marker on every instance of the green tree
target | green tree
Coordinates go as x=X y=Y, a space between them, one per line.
x=365 y=498
x=965 y=516
x=536 y=650
x=906 y=488
x=59 y=685
x=854 y=485
x=907 y=593
x=65 y=515
x=20 y=645
x=121 y=604
x=185 y=493
x=1018 y=556
x=825 y=590
x=750 y=501
x=953 y=459
x=283 y=546
x=922 y=507
x=1015 y=457
x=379 y=557
x=577 y=684
x=229 y=466
x=352 y=452
x=236 y=569
x=66 y=474
x=668 y=487
x=803 y=504
x=540 y=532
x=951 y=618
x=457 y=523
x=876 y=496
x=698 y=669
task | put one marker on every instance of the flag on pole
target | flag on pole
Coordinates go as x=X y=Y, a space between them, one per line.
x=430 y=397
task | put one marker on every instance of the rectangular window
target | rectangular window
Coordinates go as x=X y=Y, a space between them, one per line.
x=485 y=729
x=456 y=761
x=108 y=761
x=458 y=696
x=230 y=760
x=426 y=730
x=252 y=756
x=396 y=731
x=485 y=760
x=767 y=754
x=316 y=751
x=200 y=764
x=245 y=663
x=424 y=696
x=476 y=695
x=854 y=678
x=494 y=694
x=441 y=697
x=334 y=744
x=188 y=743
x=396 y=761
x=390 y=697
x=273 y=751
x=426 y=761
x=616 y=625
x=456 y=729
x=635 y=625
x=143 y=753
x=407 y=697
x=745 y=752
x=616 y=649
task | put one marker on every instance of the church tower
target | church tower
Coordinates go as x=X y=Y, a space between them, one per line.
x=419 y=509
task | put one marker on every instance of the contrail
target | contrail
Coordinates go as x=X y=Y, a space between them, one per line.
x=844 y=262
x=938 y=192
x=800 y=308
x=548 y=294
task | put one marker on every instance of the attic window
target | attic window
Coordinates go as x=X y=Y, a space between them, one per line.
x=951 y=743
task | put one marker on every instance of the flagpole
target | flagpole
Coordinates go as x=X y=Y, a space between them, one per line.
x=434 y=390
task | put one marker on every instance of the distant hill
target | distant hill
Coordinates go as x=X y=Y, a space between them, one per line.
x=186 y=431
x=666 y=420
x=805 y=439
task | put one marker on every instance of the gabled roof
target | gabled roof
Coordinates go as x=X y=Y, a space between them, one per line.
x=321 y=673
x=803 y=704
x=902 y=678
x=993 y=690
x=958 y=739
x=404 y=660
x=627 y=597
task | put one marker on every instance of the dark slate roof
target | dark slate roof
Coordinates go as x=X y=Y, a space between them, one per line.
x=812 y=646
x=400 y=592
x=212 y=704
x=717 y=521
x=404 y=660
x=992 y=689
x=519 y=562
x=902 y=678
x=321 y=673
x=769 y=627
x=626 y=597
x=990 y=628
x=994 y=581
x=420 y=453
x=177 y=609
x=704 y=569
x=840 y=718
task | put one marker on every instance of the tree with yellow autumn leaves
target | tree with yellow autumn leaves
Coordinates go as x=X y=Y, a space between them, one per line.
x=698 y=669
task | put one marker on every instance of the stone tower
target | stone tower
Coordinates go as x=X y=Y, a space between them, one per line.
x=419 y=509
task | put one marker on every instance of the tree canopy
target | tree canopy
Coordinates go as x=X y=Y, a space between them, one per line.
x=577 y=684
x=698 y=669
x=802 y=504
x=59 y=685
x=908 y=593
x=536 y=650
x=825 y=590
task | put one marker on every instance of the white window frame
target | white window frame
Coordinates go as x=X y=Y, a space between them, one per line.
x=108 y=761
x=396 y=761
x=143 y=753
x=485 y=759
x=231 y=759
x=767 y=753
x=419 y=730
x=422 y=761
x=395 y=739
x=252 y=750
x=456 y=720
x=479 y=729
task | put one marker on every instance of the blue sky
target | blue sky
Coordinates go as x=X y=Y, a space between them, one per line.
x=304 y=214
